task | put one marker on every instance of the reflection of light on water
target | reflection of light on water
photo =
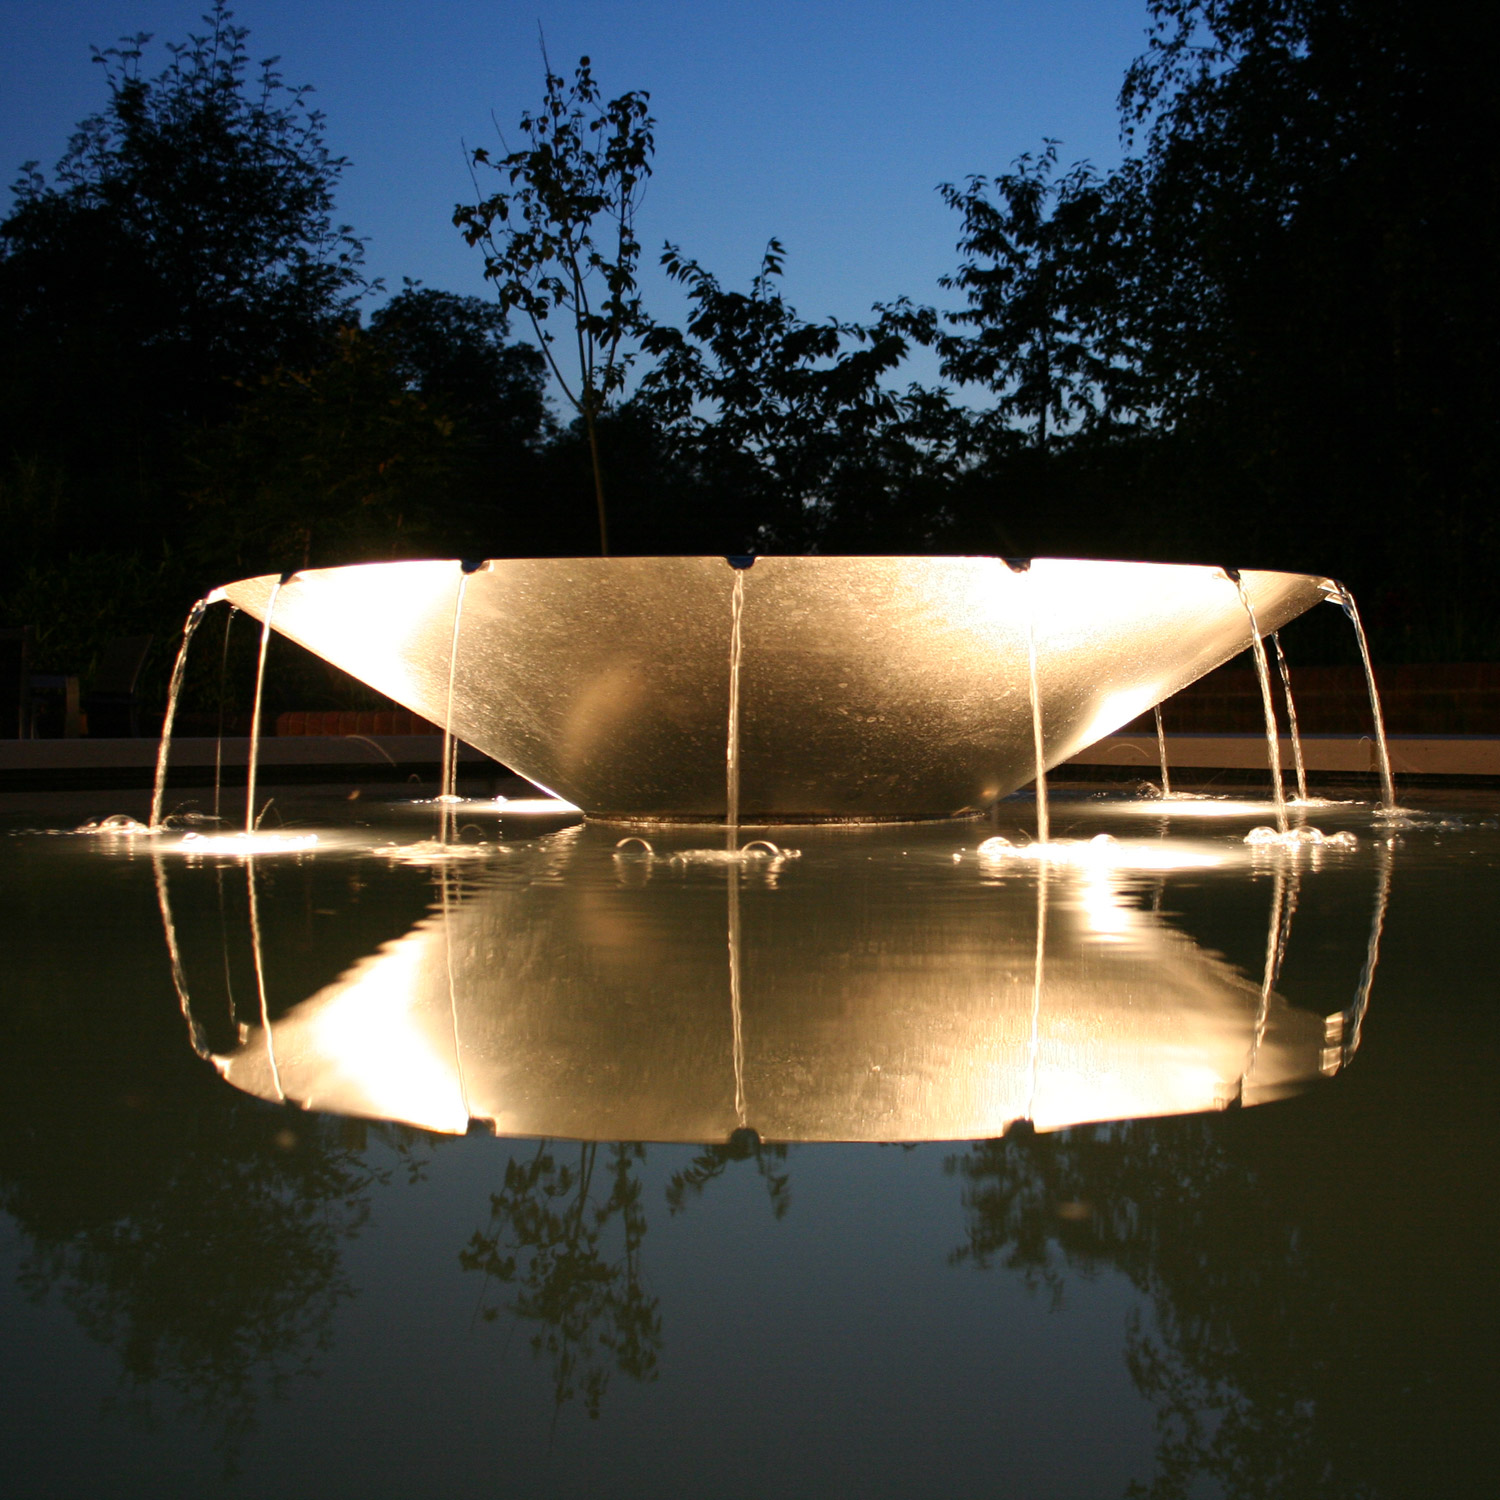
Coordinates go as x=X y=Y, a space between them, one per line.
x=430 y=852
x=193 y=844
x=534 y=805
x=1164 y=1081
x=499 y=804
x=382 y=1051
x=891 y=1015
x=1108 y=917
x=1177 y=806
x=1101 y=852
x=757 y=851
x=361 y=1048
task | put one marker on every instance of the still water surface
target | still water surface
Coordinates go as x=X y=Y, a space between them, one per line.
x=765 y=1214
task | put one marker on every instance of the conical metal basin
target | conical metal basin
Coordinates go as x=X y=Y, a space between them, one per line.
x=866 y=687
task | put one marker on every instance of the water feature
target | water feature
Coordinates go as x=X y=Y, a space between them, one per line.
x=732 y=728
x=174 y=692
x=1161 y=751
x=866 y=688
x=633 y=1097
x=446 y=793
x=1291 y=717
x=1034 y=706
x=1387 y=782
x=257 y=711
x=166 y=729
x=628 y=1197
x=1262 y=672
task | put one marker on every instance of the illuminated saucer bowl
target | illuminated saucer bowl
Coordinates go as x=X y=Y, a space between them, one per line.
x=868 y=687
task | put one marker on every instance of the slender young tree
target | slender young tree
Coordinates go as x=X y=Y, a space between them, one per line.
x=559 y=236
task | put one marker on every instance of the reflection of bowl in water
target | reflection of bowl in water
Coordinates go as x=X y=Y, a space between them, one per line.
x=602 y=998
x=869 y=687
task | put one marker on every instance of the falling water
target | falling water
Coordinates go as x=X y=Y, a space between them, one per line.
x=219 y=740
x=450 y=749
x=732 y=740
x=1043 y=821
x=1263 y=671
x=1161 y=747
x=164 y=749
x=1387 y=782
x=1291 y=716
x=260 y=683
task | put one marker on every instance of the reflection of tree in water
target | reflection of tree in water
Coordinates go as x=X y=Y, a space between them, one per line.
x=195 y=1232
x=574 y=1259
x=713 y=1161
x=571 y=1249
x=1299 y=1342
x=204 y=1249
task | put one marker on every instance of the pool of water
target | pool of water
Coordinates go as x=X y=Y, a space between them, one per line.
x=881 y=1162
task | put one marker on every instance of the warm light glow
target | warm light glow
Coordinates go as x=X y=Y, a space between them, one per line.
x=377 y=1043
x=868 y=687
x=1194 y=807
x=1103 y=852
x=387 y=1064
x=600 y=1008
x=241 y=844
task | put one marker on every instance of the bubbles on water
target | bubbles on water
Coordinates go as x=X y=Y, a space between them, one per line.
x=756 y=852
x=431 y=852
x=1300 y=838
x=116 y=825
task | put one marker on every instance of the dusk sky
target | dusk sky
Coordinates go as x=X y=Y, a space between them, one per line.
x=828 y=125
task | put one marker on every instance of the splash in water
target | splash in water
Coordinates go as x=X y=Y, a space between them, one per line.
x=1300 y=838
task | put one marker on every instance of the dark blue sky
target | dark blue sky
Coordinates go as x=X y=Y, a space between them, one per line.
x=828 y=125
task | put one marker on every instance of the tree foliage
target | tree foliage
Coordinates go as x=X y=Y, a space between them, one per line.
x=789 y=425
x=559 y=237
x=185 y=242
x=1044 y=328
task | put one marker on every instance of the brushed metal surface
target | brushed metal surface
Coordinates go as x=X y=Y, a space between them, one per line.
x=870 y=687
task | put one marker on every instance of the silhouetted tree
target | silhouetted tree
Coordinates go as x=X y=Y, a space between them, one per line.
x=1042 y=275
x=185 y=242
x=787 y=425
x=1315 y=304
x=560 y=238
